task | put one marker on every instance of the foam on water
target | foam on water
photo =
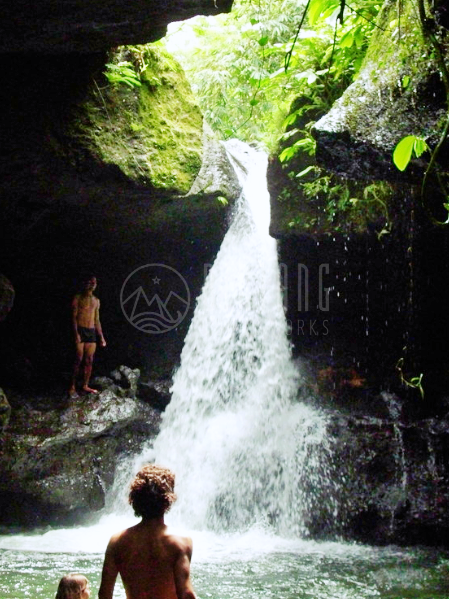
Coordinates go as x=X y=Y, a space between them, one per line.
x=210 y=547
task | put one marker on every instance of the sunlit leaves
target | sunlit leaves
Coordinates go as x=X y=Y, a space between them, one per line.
x=236 y=62
x=122 y=73
x=306 y=144
x=405 y=82
x=307 y=170
x=347 y=39
x=409 y=146
x=322 y=9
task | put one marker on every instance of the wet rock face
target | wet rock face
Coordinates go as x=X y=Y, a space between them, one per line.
x=394 y=479
x=79 y=26
x=398 y=92
x=217 y=176
x=57 y=462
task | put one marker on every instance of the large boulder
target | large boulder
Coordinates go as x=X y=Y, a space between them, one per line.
x=395 y=480
x=217 y=176
x=390 y=477
x=150 y=129
x=58 y=462
x=398 y=92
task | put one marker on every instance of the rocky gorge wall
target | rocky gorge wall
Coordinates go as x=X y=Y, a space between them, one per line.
x=95 y=180
x=364 y=288
x=385 y=253
x=58 y=462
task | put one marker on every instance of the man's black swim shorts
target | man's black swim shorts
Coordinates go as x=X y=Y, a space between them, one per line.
x=87 y=335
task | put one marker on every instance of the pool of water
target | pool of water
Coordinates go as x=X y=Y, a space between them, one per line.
x=251 y=565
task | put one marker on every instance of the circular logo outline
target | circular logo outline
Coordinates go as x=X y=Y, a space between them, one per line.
x=136 y=292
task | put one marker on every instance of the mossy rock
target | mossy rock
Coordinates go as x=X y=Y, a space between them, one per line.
x=149 y=126
x=398 y=92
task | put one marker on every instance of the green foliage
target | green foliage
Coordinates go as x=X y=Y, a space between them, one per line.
x=122 y=73
x=414 y=382
x=408 y=146
x=233 y=61
x=248 y=69
x=331 y=203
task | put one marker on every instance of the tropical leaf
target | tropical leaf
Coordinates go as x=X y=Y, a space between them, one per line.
x=403 y=152
x=408 y=146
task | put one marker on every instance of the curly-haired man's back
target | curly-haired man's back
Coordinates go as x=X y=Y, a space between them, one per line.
x=151 y=562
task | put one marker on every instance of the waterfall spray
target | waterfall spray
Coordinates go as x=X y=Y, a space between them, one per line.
x=244 y=450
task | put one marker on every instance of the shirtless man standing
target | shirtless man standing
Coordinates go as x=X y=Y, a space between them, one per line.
x=86 y=326
x=152 y=563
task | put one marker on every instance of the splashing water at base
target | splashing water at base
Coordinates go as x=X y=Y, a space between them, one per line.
x=243 y=450
x=240 y=566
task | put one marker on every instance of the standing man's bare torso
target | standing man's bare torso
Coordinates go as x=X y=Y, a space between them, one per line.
x=86 y=310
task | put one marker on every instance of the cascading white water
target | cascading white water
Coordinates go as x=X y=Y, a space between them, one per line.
x=243 y=449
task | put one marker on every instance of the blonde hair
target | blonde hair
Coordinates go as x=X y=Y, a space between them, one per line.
x=71 y=586
x=152 y=491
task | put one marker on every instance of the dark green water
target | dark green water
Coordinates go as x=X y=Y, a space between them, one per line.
x=250 y=566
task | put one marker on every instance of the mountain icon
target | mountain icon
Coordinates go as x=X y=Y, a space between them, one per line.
x=155 y=315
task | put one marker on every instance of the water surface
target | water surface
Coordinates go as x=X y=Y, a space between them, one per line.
x=252 y=565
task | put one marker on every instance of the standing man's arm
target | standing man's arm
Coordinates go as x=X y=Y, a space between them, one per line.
x=184 y=588
x=75 y=319
x=98 y=324
x=109 y=573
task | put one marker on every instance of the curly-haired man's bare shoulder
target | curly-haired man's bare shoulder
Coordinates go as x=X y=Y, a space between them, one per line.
x=151 y=562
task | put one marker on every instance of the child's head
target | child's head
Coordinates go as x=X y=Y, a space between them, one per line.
x=152 y=491
x=73 y=586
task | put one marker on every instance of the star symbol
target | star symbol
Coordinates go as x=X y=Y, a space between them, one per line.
x=156 y=280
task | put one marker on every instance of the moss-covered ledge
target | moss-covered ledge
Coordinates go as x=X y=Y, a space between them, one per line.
x=399 y=92
x=151 y=129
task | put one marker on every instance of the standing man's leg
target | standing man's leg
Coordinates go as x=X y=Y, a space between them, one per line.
x=76 y=367
x=89 y=351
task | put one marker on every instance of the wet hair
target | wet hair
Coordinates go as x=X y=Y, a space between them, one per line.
x=152 y=491
x=71 y=586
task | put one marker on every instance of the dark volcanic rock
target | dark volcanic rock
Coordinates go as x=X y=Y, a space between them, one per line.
x=156 y=393
x=56 y=465
x=79 y=26
x=394 y=479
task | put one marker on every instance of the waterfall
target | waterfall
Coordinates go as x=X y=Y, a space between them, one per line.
x=245 y=451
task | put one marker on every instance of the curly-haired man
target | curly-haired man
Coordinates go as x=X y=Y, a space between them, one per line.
x=151 y=562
